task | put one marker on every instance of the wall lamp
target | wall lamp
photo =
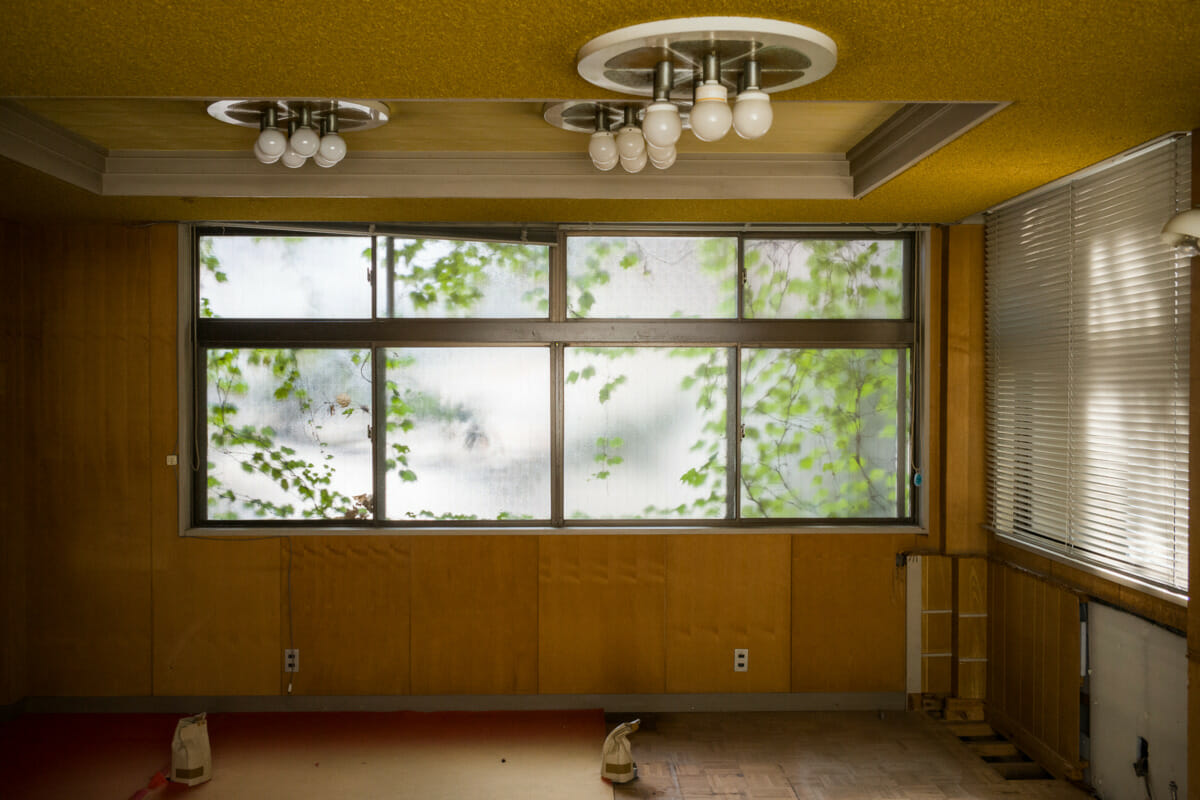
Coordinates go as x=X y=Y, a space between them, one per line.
x=1182 y=232
x=688 y=67
x=314 y=127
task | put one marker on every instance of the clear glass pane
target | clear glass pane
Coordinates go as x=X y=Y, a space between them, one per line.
x=825 y=279
x=821 y=435
x=645 y=432
x=453 y=278
x=287 y=434
x=468 y=433
x=656 y=277
x=285 y=277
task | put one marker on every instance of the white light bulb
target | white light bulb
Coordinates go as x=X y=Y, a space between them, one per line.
x=630 y=143
x=333 y=148
x=752 y=114
x=605 y=166
x=272 y=142
x=603 y=147
x=662 y=158
x=305 y=141
x=262 y=157
x=293 y=159
x=711 y=116
x=635 y=164
x=661 y=125
x=321 y=161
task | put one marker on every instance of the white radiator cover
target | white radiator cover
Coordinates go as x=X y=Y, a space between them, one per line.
x=1138 y=688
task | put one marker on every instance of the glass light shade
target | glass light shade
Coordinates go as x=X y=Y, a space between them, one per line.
x=630 y=143
x=711 y=116
x=752 y=114
x=293 y=159
x=321 y=161
x=662 y=158
x=272 y=142
x=333 y=148
x=635 y=164
x=661 y=126
x=603 y=147
x=305 y=142
x=262 y=157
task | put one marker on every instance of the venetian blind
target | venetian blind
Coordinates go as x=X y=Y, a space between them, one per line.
x=1087 y=369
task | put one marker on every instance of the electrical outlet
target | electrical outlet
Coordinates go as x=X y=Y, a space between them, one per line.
x=741 y=660
x=291 y=660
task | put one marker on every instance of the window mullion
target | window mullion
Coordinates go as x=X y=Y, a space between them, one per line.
x=379 y=432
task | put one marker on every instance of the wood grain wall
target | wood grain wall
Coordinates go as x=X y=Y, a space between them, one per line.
x=1034 y=655
x=102 y=597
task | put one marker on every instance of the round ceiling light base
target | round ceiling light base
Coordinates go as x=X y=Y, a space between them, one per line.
x=580 y=115
x=352 y=115
x=789 y=55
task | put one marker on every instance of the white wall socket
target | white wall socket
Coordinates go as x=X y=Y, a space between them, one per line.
x=741 y=660
x=291 y=660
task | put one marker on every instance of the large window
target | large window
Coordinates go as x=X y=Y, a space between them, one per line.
x=570 y=378
x=1087 y=345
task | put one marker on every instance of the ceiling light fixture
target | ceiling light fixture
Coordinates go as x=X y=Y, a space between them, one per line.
x=688 y=66
x=1182 y=232
x=313 y=126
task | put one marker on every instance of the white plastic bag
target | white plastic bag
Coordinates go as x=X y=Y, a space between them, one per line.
x=191 y=758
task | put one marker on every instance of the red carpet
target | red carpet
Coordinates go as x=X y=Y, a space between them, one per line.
x=299 y=755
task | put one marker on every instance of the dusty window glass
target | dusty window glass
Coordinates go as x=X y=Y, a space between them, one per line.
x=468 y=433
x=821 y=436
x=285 y=277
x=645 y=433
x=825 y=279
x=657 y=277
x=454 y=278
x=287 y=434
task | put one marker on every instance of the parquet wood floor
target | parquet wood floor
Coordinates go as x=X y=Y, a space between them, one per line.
x=816 y=756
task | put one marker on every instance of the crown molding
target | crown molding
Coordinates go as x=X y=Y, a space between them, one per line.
x=911 y=134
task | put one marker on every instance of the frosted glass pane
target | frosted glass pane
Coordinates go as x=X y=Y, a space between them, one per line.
x=468 y=433
x=288 y=277
x=820 y=432
x=645 y=432
x=655 y=277
x=452 y=278
x=825 y=279
x=287 y=434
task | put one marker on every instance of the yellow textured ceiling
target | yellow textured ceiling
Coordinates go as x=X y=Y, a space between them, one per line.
x=1086 y=81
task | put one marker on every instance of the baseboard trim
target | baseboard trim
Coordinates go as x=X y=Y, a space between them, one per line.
x=619 y=703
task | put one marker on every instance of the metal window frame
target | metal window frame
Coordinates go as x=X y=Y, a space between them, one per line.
x=556 y=332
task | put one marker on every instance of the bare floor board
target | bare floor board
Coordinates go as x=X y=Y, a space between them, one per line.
x=840 y=755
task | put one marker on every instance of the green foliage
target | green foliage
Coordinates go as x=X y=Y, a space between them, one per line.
x=819 y=425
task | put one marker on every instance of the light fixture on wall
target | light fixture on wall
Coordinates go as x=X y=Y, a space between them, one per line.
x=688 y=67
x=1182 y=232
x=314 y=127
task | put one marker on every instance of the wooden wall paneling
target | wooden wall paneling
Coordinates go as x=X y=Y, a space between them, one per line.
x=971 y=623
x=15 y=334
x=1035 y=696
x=474 y=615
x=937 y=610
x=997 y=663
x=350 y=614
x=90 y=590
x=964 y=376
x=602 y=614
x=216 y=616
x=848 y=615
x=935 y=376
x=726 y=592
